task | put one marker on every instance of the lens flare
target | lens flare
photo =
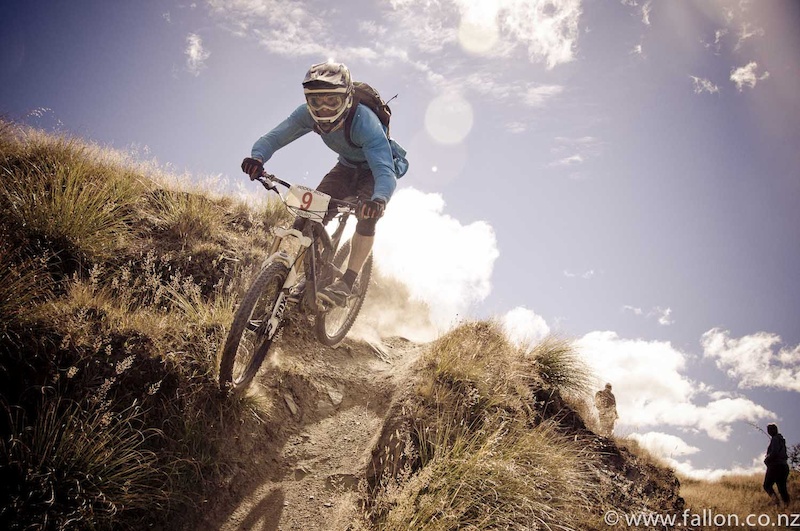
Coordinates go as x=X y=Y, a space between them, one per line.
x=477 y=37
x=448 y=119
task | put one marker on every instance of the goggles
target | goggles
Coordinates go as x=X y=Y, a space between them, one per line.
x=329 y=101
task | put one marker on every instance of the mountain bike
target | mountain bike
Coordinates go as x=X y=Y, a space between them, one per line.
x=278 y=289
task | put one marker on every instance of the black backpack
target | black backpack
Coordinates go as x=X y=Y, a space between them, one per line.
x=363 y=93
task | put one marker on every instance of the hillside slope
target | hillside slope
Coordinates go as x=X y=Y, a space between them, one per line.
x=341 y=448
x=117 y=287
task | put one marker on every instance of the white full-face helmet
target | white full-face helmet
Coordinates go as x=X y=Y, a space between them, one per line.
x=329 y=94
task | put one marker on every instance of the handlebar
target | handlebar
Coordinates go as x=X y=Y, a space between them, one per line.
x=269 y=181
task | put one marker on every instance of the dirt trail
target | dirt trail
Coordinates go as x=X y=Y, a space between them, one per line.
x=327 y=411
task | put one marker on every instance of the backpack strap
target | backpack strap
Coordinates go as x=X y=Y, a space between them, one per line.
x=348 y=120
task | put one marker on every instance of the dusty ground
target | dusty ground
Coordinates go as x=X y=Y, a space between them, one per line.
x=326 y=409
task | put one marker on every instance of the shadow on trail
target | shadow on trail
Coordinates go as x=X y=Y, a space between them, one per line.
x=266 y=514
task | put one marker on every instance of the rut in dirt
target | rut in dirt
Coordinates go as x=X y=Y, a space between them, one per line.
x=326 y=410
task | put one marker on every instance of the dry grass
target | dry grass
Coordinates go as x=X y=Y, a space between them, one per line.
x=116 y=290
x=474 y=454
x=74 y=465
x=58 y=192
x=740 y=497
x=560 y=367
x=24 y=284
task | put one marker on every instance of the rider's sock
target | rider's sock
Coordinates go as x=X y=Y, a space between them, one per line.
x=349 y=278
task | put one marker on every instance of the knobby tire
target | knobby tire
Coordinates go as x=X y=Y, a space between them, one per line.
x=332 y=326
x=247 y=345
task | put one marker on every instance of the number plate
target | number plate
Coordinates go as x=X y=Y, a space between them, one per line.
x=307 y=203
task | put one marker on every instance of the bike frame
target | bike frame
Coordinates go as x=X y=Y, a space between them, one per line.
x=310 y=237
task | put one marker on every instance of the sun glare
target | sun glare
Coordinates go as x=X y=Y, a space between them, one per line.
x=477 y=31
x=477 y=37
x=448 y=119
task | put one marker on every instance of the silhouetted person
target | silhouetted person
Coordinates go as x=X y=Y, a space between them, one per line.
x=777 y=465
x=606 y=406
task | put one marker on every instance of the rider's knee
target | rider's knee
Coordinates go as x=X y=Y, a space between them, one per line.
x=366 y=227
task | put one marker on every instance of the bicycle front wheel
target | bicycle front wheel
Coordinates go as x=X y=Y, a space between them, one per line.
x=332 y=326
x=249 y=338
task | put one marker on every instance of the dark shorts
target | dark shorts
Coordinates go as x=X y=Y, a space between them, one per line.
x=343 y=182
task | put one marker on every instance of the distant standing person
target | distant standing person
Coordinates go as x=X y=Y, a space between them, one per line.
x=606 y=405
x=777 y=465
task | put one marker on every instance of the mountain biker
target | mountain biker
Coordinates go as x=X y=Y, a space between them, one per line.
x=367 y=167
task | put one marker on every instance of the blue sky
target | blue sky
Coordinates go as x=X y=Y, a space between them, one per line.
x=620 y=172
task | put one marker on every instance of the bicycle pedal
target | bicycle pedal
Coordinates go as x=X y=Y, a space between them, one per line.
x=294 y=297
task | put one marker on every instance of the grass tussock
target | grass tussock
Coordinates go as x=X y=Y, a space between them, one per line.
x=117 y=286
x=54 y=193
x=560 y=367
x=185 y=216
x=72 y=465
x=474 y=453
x=24 y=284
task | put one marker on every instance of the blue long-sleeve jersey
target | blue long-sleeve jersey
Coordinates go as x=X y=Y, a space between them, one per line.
x=376 y=151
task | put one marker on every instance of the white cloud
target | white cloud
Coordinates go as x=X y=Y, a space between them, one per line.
x=372 y=28
x=646 y=9
x=664 y=445
x=530 y=94
x=716 y=46
x=586 y=275
x=536 y=96
x=686 y=468
x=428 y=26
x=489 y=85
x=746 y=32
x=444 y=263
x=546 y=29
x=524 y=326
x=516 y=127
x=633 y=309
x=746 y=76
x=704 y=85
x=662 y=315
x=196 y=55
x=572 y=160
x=572 y=152
x=652 y=388
x=756 y=360
x=285 y=27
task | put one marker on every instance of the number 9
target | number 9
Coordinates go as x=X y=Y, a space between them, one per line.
x=306 y=201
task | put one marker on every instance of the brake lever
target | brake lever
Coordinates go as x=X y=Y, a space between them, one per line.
x=267 y=181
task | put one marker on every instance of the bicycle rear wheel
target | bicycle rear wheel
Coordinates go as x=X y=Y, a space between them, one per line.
x=332 y=326
x=248 y=342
